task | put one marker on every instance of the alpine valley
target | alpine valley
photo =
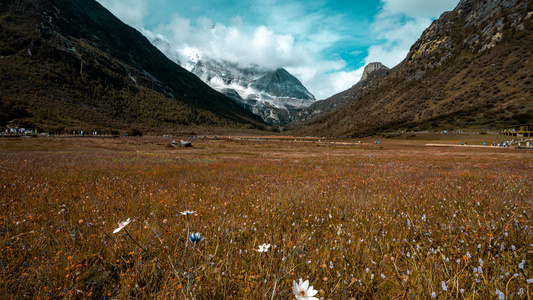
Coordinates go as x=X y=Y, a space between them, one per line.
x=70 y=64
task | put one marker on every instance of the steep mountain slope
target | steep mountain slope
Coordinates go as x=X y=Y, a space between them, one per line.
x=71 y=63
x=281 y=83
x=372 y=72
x=275 y=95
x=471 y=68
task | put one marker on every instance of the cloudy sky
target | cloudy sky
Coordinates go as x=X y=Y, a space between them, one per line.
x=324 y=43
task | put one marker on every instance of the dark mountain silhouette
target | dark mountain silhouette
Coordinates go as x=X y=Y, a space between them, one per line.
x=70 y=63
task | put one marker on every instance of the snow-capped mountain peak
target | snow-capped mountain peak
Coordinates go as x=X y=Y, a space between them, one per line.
x=273 y=94
x=191 y=57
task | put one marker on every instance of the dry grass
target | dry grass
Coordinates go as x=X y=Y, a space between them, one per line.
x=394 y=220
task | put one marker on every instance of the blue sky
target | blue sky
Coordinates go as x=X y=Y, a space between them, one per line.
x=324 y=43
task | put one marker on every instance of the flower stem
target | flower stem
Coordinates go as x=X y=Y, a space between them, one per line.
x=136 y=241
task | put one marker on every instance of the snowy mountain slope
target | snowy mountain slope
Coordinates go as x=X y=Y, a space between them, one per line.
x=275 y=95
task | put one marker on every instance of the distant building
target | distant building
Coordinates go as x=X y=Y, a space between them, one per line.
x=525 y=130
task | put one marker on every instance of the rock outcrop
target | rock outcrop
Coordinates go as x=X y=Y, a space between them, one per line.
x=371 y=67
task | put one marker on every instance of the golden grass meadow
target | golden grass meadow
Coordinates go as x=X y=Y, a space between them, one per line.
x=395 y=220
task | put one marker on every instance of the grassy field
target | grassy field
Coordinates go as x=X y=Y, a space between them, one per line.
x=395 y=220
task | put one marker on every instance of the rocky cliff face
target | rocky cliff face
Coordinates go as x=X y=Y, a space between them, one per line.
x=472 y=68
x=370 y=68
x=476 y=26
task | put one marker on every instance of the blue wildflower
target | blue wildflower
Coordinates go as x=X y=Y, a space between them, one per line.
x=196 y=238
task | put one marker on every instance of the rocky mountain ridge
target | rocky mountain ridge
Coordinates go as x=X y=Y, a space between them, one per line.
x=472 y=68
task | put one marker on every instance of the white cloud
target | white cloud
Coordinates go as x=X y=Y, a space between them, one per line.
x=131 y=12
x=399 y=24
x=262 y=46
x=310 y=23
x=398 y=36
x=418 y=8
x=295 y=35
x=341 y=81
x=326 y=78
